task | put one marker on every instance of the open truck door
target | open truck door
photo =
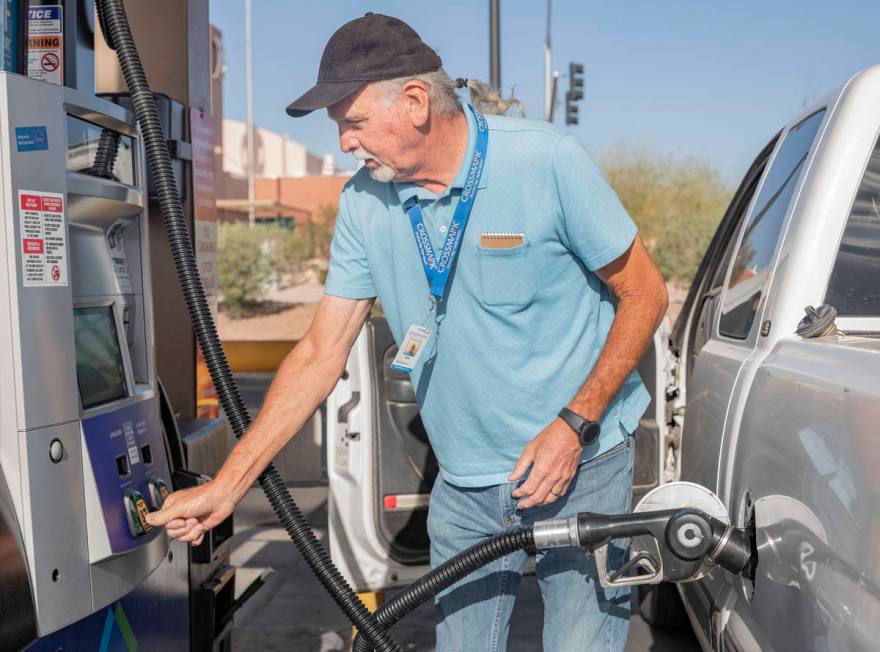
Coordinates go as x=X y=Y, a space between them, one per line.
x=381 y=468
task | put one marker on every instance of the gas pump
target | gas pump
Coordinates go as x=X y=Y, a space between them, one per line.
x=81 y=448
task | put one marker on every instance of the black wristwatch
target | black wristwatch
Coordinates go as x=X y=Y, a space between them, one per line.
x=586 y=430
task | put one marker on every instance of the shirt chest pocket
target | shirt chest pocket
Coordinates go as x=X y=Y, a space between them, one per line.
x=506 y=277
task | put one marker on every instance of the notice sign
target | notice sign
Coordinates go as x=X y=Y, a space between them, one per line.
x=43 y=239
x=45 y=44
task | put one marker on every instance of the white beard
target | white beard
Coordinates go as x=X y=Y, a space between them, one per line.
x=383 y=173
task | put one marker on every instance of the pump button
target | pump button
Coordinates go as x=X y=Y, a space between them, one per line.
x=136 y=514
x=158 y=493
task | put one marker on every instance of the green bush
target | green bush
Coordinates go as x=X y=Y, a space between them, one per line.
x=297 y=247
x=680 y=245
x=676 y=202
x=245 y=263
x=248 y=259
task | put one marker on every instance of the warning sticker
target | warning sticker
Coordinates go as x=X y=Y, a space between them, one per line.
x=43 y=239
x=44 y=20
x=116 y=240
x=45 y=44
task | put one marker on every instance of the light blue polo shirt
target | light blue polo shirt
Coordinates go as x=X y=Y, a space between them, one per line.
x=520 y=329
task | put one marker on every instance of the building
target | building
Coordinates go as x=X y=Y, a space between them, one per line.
x=290 y=182
x=276 y=156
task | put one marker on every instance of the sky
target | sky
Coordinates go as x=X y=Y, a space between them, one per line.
x=706 y=79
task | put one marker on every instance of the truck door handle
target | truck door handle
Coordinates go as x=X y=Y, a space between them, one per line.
x=350 y=404
x=711 y=294
x=345 y=410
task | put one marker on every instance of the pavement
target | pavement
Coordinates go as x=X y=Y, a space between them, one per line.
x=293 y=612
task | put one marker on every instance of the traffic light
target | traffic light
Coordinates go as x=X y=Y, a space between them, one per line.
x=576 y=78
x=571 y=110
x=575 y=92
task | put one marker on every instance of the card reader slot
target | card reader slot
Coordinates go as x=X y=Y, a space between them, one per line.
x=122 y=466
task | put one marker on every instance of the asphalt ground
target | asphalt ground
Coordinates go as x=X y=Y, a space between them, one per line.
x=293 y=612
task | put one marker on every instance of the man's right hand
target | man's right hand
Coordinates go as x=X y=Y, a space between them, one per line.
x=308 y=373
x=189 y=513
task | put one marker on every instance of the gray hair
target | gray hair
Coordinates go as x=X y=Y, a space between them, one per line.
x=444 y=98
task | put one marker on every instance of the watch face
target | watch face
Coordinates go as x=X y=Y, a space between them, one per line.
x=589 y=432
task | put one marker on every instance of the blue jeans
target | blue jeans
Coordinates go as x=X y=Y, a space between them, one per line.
x=474 y=615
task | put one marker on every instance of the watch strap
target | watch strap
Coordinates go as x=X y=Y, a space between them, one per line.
x=573 y=419
x=586 y=430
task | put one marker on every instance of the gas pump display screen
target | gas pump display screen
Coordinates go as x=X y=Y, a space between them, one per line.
x=99 y=369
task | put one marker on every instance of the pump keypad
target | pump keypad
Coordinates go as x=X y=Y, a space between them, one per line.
x=136 y=512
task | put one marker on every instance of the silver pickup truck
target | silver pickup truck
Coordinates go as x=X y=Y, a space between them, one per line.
x=782 y=422
x=774 y=412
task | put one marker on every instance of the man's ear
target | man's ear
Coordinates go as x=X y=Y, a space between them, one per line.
x=416 y=102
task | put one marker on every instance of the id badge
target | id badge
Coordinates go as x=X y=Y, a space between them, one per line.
x=411 y=349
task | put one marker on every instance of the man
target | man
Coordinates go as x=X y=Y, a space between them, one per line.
x=496 y=249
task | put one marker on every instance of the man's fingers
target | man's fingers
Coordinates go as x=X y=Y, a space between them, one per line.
x=170 y=511
x=522 y=464
x=193 y=534
x=539 y=495
x=159 y=519
x=536 y=477
x=176 y=533
x=560 y=488
x=175 y=524
x=199 y=540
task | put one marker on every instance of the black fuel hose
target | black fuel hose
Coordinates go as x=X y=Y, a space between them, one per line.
x=105 y=154
x=117 y=33
x=447 y=574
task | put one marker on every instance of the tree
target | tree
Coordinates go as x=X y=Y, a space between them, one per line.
x=676 y=202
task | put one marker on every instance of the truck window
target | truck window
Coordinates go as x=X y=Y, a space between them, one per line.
x=751 y=268
x=854 y=287
x=710 y=300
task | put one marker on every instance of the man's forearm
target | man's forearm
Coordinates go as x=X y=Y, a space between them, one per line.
x=304 y=380
x=639 y=312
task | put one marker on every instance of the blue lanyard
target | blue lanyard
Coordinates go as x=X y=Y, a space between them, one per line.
x=437 y=267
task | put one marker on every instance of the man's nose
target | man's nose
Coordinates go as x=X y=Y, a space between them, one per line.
x=348 y=143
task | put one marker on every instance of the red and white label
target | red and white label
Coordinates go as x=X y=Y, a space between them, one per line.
x=43 y=239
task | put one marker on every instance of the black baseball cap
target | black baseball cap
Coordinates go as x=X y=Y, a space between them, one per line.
x=364 y=50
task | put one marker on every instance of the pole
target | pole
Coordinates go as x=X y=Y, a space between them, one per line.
x=548 y=71
x=249 y=60
x=554 y=85
x=494 y=44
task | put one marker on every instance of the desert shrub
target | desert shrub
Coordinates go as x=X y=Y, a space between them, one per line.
x=246 y=261
x=250 y=259
x=676 y=202
x=306 y=241
x=680 y=245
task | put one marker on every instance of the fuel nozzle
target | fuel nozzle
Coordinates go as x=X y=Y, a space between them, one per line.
x=667 y=545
